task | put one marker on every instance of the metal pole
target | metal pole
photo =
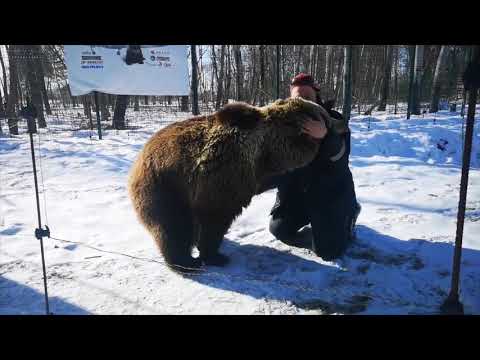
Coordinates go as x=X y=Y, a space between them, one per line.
x=452 y=303
x=38 y=234
x=97 y=108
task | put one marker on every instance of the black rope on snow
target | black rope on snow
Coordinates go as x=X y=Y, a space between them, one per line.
x=234 y=278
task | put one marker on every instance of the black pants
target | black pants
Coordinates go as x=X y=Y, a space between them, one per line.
x=330 y=211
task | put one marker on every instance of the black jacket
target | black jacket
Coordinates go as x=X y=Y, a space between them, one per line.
x=325 y=175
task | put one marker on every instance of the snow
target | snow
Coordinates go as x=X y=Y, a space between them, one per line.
x=400 y=264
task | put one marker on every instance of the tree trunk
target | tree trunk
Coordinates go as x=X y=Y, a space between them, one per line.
x=219 y=99
x=33 y=81
x=467 y=59
x=214 y=73
x=283 y=88
x=436 y=87
x=12 y=96
x=228 y=79
x=105 y=114
x=4 y=73
x=339 y=77
x=119 y=112
x=194 y=83
x=386 y=78
x=237 y=54
x=19 y=87
x=329 y=72
x=411 y=80
x=146 y=100
x=87 y=109
x=417 y=79
x=40 y=74
x=136 y=106
x=347 y=83
x=277 y=71
x=262 y=75
x=298 y=59
x=396 y=79
x=377 y=76
x=253 y=77
x=452 y=72
x=184 y=103
x=311 y=60
x=73 y=99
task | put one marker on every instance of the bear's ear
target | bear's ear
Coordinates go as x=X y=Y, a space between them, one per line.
x=240 y=115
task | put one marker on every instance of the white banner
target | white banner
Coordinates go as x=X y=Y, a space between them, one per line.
x=128 y=69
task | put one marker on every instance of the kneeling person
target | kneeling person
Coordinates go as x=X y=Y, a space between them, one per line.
x=322 y=193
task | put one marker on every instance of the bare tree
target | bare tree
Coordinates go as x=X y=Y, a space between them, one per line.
x=136 y=106
x=104 y=112
x=194 y=83
x=338 y=76
x=12 y=95
x=220 y=89
x=184 y=103
x=30 y=59
x=329 y=71
x=347 y=83
x=87 y=108
x=237 y=54
x=312 y=60
x=38 y=61
x=386 y=77
x=119 y=112
x=436 y=81
x=418 y=72
x=4 y=73
x=395 y=86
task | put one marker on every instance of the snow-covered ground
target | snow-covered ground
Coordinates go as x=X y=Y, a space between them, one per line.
x=400 y=264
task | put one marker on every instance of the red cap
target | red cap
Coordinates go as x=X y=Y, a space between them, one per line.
x=303 y=79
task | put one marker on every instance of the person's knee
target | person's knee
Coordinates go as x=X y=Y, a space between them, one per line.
x=277 y=228
x=282 y=230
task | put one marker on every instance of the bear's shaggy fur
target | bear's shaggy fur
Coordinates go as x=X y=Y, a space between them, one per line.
x=194 y=177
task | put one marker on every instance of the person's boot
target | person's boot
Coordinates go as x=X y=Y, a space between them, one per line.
x=301 y=239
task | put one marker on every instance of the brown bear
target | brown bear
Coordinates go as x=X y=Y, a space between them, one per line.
x=194 y=177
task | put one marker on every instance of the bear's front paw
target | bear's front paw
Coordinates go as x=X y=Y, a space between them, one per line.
x=216 y=260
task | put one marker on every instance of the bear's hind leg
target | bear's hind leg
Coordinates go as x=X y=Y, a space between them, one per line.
x=210 y=232
x=173 y=231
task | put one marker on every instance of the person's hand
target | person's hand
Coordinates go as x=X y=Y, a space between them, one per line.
x=315 y=129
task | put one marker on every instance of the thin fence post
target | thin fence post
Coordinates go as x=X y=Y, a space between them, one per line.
x=452 y=304
x=39 y=232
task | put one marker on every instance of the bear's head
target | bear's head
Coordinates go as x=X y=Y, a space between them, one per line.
x=272 y=135
x=286 y=147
